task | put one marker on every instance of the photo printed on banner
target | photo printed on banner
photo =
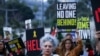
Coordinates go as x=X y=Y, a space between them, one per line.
x=28 y=24
x=7 y=33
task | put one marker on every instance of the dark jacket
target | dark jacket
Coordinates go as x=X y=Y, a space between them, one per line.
x=15 y=54
x=97 y=54
x=40 y=55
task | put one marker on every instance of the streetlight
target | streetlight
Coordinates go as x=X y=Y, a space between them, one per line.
x=6 y=13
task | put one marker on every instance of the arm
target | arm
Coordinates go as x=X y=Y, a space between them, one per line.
x=78 y=48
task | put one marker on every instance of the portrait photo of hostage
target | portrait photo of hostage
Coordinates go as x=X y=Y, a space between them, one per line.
x=28 y=24
x=48 y=44
x=7 y=33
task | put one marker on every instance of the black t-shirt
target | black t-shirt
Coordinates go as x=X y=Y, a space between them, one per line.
x=1 y=54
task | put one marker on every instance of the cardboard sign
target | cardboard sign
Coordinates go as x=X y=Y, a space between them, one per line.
x=96 y=13
x=66 y=15
x=32 y=41
x=15 y=44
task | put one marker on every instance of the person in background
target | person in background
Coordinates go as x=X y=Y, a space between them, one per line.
x=3 y=51
x=18 y=52
x=66 y=47
x=97 y=43
x=48 y=43
x=97 y=53
x=89 y=48
x=69 y=36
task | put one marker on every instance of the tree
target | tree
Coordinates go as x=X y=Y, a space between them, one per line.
x=83 y=8
x=1 y=21
x=50 y=13
x=60 y=37
x=35 y=23
x=23 y=12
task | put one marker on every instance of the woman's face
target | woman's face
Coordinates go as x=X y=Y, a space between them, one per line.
x=1 y=45
x=47 y=48
x=68 y=44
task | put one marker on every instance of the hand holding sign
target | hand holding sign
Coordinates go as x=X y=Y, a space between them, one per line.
x=78 y=37
x=15 y=44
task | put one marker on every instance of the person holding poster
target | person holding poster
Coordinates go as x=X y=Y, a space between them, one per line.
x=97 y=44
x=97 y=52
x=66 y=47
x=47 y=44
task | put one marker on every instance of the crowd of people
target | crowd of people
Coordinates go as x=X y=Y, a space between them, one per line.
x=50 y=46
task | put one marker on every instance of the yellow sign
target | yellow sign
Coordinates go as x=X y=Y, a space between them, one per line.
x=12 y=42
x=14 y=49
x=19 y=45
x=83 y=23
x=66 y=22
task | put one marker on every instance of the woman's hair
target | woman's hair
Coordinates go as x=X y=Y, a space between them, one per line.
x=50 y=38
x=62 y=48
x=68 y=34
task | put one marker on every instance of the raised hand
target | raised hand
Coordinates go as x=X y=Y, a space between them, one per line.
x=78 y=37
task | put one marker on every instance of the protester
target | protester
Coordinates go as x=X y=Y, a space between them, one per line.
x=97 y=43
x=48 y=43
x=3 y=51
x=97 y=53
x=89 y=48
x=66 y=47
x=69 y=36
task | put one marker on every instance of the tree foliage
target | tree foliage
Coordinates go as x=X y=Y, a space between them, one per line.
x=83 y=8
x=21 y=13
